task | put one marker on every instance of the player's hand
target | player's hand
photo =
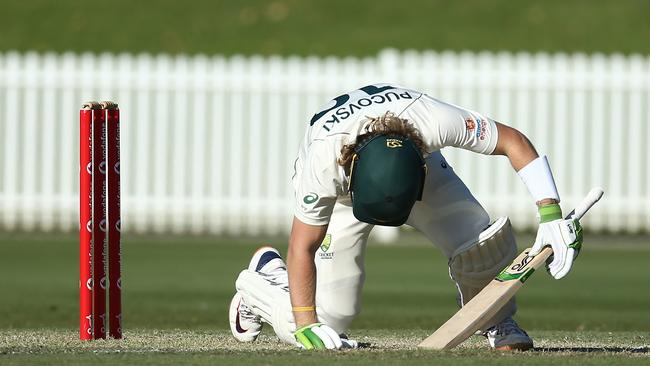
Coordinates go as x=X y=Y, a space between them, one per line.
x=321 y=336
x=564 y=236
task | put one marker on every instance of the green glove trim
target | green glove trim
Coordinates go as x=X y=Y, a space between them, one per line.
x=308 y=338
x=303 y=340
x=548 y=213
x=577 y=245
x=314 y=339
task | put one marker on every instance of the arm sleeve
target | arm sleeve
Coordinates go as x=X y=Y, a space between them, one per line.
x=318 y=185
x=450 y=125
x=466 y=129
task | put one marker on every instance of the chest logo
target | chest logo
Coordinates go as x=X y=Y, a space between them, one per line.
x=325 y=245
x=310 y=198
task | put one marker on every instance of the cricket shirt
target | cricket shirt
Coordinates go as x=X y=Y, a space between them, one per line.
x=319 y=181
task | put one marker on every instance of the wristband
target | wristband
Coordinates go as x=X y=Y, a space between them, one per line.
x=549 y=213
x=301 y=309
x=538 y=178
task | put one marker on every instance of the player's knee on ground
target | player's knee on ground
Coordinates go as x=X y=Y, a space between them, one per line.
x=473 y=266
x=271 y=303
x=338 y=305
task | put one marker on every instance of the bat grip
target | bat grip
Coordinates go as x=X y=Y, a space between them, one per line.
x=581 y=209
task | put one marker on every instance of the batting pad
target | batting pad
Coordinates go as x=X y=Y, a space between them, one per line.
x=475 y=265
x=268 y=297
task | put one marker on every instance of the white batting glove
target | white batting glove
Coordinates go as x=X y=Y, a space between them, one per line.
x=564 y=236
x=321 y=336
x=318 y=336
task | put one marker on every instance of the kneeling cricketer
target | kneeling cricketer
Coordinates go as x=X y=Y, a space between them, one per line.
x=372 y=157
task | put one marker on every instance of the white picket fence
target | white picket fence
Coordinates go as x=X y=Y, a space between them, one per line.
x=209 y=142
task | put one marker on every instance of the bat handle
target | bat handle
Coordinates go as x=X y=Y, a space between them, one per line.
x=581 y=209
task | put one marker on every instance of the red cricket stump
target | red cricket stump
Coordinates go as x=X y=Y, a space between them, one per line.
x=99 y=224
x=114 y=220
x=85 y=224
x=99 y=221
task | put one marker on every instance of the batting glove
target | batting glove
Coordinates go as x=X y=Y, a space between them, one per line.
x=564 y=237
x=318 y=336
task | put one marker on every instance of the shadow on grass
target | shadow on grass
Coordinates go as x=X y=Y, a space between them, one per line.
x=594 y=349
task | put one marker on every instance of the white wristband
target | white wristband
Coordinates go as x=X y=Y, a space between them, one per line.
x=538 y=178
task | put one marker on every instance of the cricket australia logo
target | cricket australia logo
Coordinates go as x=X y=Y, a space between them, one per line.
x=325 y=247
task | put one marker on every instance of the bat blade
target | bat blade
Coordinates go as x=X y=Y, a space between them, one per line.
x=473 y=315
x=487 y=303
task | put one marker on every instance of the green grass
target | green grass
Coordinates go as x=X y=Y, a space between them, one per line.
x=333 y=27
x=176 y=293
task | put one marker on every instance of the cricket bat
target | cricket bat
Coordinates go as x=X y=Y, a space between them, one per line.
x=496 y=294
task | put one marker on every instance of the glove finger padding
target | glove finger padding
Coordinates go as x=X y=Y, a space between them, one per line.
x=571 y=233
x=564 y=236
x=537 y=247
x=324 y=337
x=308 y=339
x=561 y=258
x=560 y=268
x=318 y=336
x=331 y=333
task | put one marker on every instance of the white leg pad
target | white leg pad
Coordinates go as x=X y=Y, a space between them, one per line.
x=268 y=297
x=474 y=265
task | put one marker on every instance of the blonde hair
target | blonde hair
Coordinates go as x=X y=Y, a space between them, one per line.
x=388 y=124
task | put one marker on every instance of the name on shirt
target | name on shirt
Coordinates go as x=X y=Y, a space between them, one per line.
x=348 y=110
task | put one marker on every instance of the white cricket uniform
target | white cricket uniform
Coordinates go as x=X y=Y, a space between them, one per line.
x=448 y=215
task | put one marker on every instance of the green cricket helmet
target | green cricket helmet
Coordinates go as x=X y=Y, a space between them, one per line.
x=386 y=178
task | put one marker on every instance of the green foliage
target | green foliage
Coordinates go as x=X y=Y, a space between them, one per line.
x=334 y=27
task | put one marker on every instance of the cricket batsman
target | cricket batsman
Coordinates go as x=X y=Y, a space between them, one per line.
x=372 y=157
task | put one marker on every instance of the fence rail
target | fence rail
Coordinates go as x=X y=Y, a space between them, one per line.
x=208 y=142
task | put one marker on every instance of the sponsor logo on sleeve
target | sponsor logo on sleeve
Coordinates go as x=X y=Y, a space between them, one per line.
x=481 y=127
x=470 y=125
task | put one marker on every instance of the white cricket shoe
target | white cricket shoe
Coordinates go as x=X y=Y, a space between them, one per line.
x=244 y=325
x=508 y=336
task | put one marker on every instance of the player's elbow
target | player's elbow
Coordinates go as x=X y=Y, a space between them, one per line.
x=510 y=140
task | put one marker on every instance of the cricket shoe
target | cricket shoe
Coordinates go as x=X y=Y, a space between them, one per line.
x=244 y=325
x=508 y=336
